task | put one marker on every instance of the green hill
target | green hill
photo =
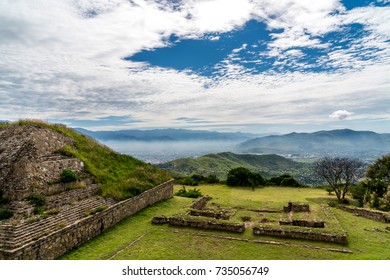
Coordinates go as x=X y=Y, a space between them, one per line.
x=219 y=165
x=119 y=176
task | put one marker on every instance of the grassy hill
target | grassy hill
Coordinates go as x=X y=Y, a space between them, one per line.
x=220 y=164
x=120 y=176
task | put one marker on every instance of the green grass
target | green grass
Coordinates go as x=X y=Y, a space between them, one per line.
x=136 y=238
x=120 y=176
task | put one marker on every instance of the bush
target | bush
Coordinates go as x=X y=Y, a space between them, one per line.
x=2 y=199
x=192 y=193
x=285 y=180
x=290 y=182
x=189 y=181
x=37 y=200
x=211 y=179
x=38 y=210
x=358 y=192
x=5 y=214
x=68 y=176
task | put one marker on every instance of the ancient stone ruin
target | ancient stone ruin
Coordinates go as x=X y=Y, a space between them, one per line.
x=50 y=216
x=296 y=207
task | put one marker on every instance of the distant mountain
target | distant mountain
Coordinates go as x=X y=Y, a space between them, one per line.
x=166 y=135
x=220 y=164
x=363 y=144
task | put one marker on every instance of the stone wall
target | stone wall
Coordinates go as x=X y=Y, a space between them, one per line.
x=304 y=234
x=296 y=207
x=200 y=203
x=74 y=235
x=220 y=215
x=60 y=199
x=381 y=216
x=303 y=223
x=206 y=224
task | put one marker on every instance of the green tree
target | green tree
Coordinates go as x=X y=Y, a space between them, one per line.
x=380 y=170
x=242 y=176
x=340 y=173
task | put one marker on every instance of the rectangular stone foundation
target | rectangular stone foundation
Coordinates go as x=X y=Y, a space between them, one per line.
x=58 y=243
x=304 y=234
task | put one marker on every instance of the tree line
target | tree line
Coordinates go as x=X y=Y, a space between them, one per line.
x=368 y=184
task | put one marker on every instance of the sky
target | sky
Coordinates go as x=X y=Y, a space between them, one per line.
x=259 y=66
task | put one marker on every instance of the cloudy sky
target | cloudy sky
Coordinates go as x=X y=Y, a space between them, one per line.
x=229 y=65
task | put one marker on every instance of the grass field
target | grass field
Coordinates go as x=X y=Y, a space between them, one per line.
x=136 y=238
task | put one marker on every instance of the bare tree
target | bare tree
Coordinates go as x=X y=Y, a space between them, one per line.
x=339 y=172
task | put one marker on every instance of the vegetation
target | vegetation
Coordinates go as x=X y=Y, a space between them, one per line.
x=220 y=164
x=196 y=179
x=3 y=200
x=192 y=193
x=5 y=214
x=367 y=239
x=37 y=200
x=242 y=176
x=68 y=176
x=374 y=192
x=339 y=172
x=285 y=180
x=120 y=176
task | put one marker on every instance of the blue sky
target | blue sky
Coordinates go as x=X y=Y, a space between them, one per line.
x=230 y=65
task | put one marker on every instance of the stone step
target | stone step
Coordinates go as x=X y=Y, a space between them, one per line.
x=19 y=235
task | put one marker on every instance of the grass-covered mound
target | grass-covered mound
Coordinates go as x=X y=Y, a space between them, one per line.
x=120 y=176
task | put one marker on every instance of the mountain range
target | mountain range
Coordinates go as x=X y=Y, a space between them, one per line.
x=344 y=142
x=166 y=135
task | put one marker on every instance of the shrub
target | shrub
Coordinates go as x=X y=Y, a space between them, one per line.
x=2 y=199
x=68 y=176
x=192 y=193
x=285 y=180
x=358 y=192
x=37 y=200
x=5 y=214
x=189 y=181
x=38 y=210
x=290 y=182
x=211 y=179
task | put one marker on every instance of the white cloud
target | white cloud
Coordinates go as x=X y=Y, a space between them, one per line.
x=340 y=115
x=64 y=61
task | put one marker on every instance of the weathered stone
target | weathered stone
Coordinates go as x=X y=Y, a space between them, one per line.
x=304 y=234
x=206 y=224
x=303 y=223
x=296 y=207
x=200 y=203
x=381 y=216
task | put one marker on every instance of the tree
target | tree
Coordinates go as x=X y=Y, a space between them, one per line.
x=377 y=185
x=380 y=170
x=339 y=172
x=242 y=176
x=285 y=180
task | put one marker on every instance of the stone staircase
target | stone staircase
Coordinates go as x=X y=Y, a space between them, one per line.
x=33 y=228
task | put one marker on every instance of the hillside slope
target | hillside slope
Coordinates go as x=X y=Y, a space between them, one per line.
x=220 y=164
x=362 y=144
